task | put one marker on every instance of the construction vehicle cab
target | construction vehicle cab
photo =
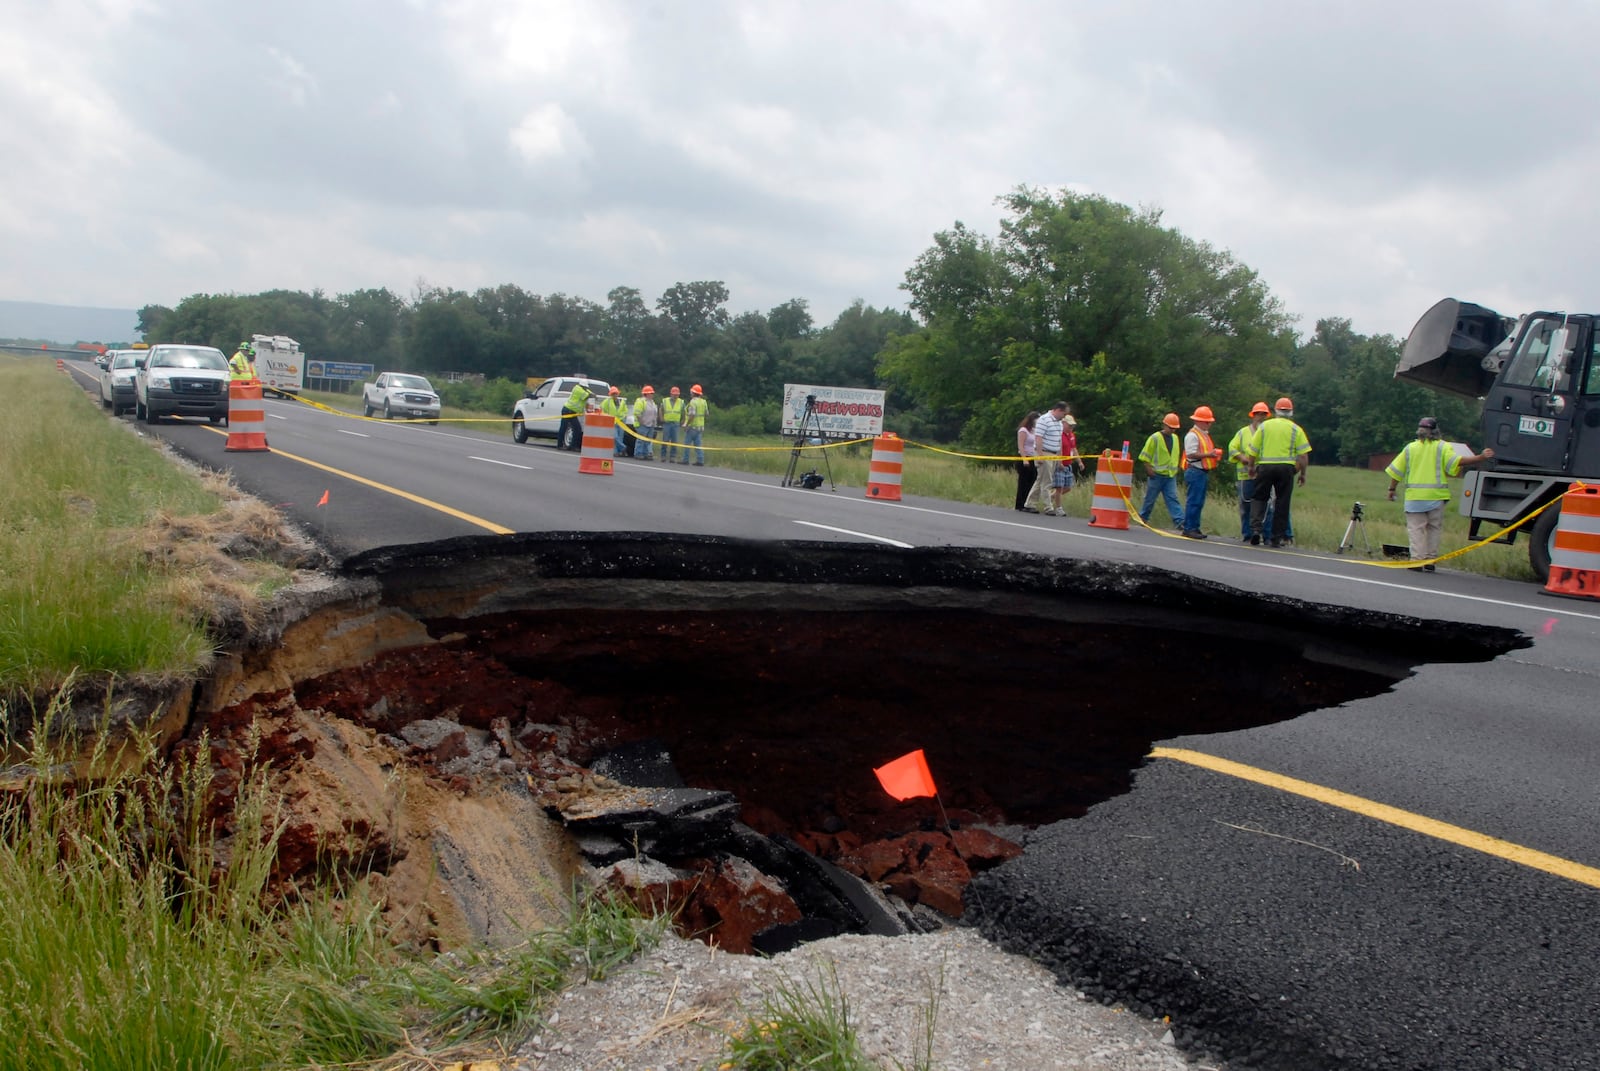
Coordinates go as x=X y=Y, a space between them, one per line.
x=1540 y=388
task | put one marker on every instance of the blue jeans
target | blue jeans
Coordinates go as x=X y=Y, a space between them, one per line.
x=692 y=437
x=669 y=435
x=1195 y=483
x=621 y=447
x=645 y=435
x=1167 y=488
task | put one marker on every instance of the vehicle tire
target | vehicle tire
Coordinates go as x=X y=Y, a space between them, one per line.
x=105 y=403
x=366 y=410
x=386 y=415
x=1541 y=541
x=519 y=430
x=564 y=437
x=218 y=419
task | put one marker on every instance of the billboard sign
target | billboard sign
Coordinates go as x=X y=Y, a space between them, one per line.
x=836 y=412
x=356 y=373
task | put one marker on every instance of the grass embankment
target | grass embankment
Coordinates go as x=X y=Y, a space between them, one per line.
x=130 y=938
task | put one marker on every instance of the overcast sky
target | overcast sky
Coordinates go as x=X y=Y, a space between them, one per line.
x=1365 y=159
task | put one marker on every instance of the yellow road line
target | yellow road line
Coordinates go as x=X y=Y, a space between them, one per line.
x=407 y=495
x=1466 y=838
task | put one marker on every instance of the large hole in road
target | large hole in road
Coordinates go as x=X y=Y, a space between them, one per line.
x=737 y=697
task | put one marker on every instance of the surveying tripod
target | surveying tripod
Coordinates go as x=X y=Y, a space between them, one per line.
x=810 y=427
x=1357 y=523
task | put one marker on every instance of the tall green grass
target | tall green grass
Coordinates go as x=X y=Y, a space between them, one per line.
x=75 y=592
x=131 y=937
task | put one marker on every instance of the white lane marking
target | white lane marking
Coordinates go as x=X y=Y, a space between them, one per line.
x=277 y=416
x=859 y=535
x=357 y=434
x=507 y=464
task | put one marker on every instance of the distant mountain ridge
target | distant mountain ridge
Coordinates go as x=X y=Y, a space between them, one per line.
x=67 y=324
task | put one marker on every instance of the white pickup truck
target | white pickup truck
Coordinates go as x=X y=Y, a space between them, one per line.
x=401 y=394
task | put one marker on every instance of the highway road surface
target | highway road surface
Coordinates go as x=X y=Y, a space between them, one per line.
x=1407 y=881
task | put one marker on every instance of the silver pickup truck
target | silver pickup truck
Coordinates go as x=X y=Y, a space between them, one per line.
x=401 y=394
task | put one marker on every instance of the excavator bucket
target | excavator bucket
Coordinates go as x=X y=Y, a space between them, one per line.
x=1450 y=349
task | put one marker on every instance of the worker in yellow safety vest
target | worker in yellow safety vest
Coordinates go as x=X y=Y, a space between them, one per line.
x=616 y=407
x=1279 y=453
x=242 y=364
x=647 y=415
x=694 y=425
x=1423 y=466
x=1162 y=455
x=570 y=436
x=671 y=419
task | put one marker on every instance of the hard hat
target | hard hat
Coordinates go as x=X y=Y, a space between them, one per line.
x=615 y=391
x=1203 y=413
x=673 y=392
x=647 y=389
x=1283 y=403
x=1260 y=409
x=696 y=389
x=1171 y=420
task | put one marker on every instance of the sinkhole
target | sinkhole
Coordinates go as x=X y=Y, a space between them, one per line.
x=704 y=715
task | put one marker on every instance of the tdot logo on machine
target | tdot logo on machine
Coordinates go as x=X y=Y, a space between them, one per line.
x=1543 y=427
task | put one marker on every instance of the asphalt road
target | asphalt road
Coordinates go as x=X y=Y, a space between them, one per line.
x=1290 y=931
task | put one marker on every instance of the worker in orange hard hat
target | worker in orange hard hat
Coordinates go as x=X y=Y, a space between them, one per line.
x=1202 y=456
x=694 y=425
x=671 y=420
x=1247 y=483
x=1162 y=455
x=1279 y=453
x=616 y=407
x=646 y=417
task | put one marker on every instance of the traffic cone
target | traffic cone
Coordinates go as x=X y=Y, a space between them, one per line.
x=883 y=478
x=1113 y=482
x=247 y=419
x=1575 y=554
x=599 y=444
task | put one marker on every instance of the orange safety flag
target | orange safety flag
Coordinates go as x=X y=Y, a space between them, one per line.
x=907 y=776
x=323 y=501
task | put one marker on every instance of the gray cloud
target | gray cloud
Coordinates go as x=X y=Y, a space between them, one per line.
x=1364 y=158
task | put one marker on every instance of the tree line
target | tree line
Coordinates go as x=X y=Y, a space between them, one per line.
x=1077 y=297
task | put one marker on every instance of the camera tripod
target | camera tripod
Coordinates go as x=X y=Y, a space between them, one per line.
x=810 y=427
x=1357 y=523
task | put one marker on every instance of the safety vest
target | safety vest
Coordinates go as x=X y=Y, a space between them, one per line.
x=239 y=366
x=613 y=407
x=694 y=415
x=1236 y=450
x=1278 y=441
x=672 y=410
x=1423 y=466
x=575 y=400
x=1163 y=451
x=645 y=412
x=1208 y=451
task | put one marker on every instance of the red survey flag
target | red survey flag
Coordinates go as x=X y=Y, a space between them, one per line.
x=907 y=776
x=323 y=501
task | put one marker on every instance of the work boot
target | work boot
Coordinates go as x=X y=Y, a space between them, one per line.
x=1194 y=533
x=1255 y=539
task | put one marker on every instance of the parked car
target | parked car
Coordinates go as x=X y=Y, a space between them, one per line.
x=401 y=394
x=538 y=415
x=179 y=380
x=117 y=391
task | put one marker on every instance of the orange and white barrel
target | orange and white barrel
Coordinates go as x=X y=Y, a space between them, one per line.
x=61 y=366
x=1113 y=483
x=247 y=417
x=599 y=443
x=883 y=477
x=1575 y=552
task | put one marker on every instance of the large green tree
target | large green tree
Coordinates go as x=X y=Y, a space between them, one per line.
x=1013 y=323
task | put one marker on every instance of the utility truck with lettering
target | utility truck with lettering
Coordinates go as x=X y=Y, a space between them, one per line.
x=279 y=365
x=1538 y=377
